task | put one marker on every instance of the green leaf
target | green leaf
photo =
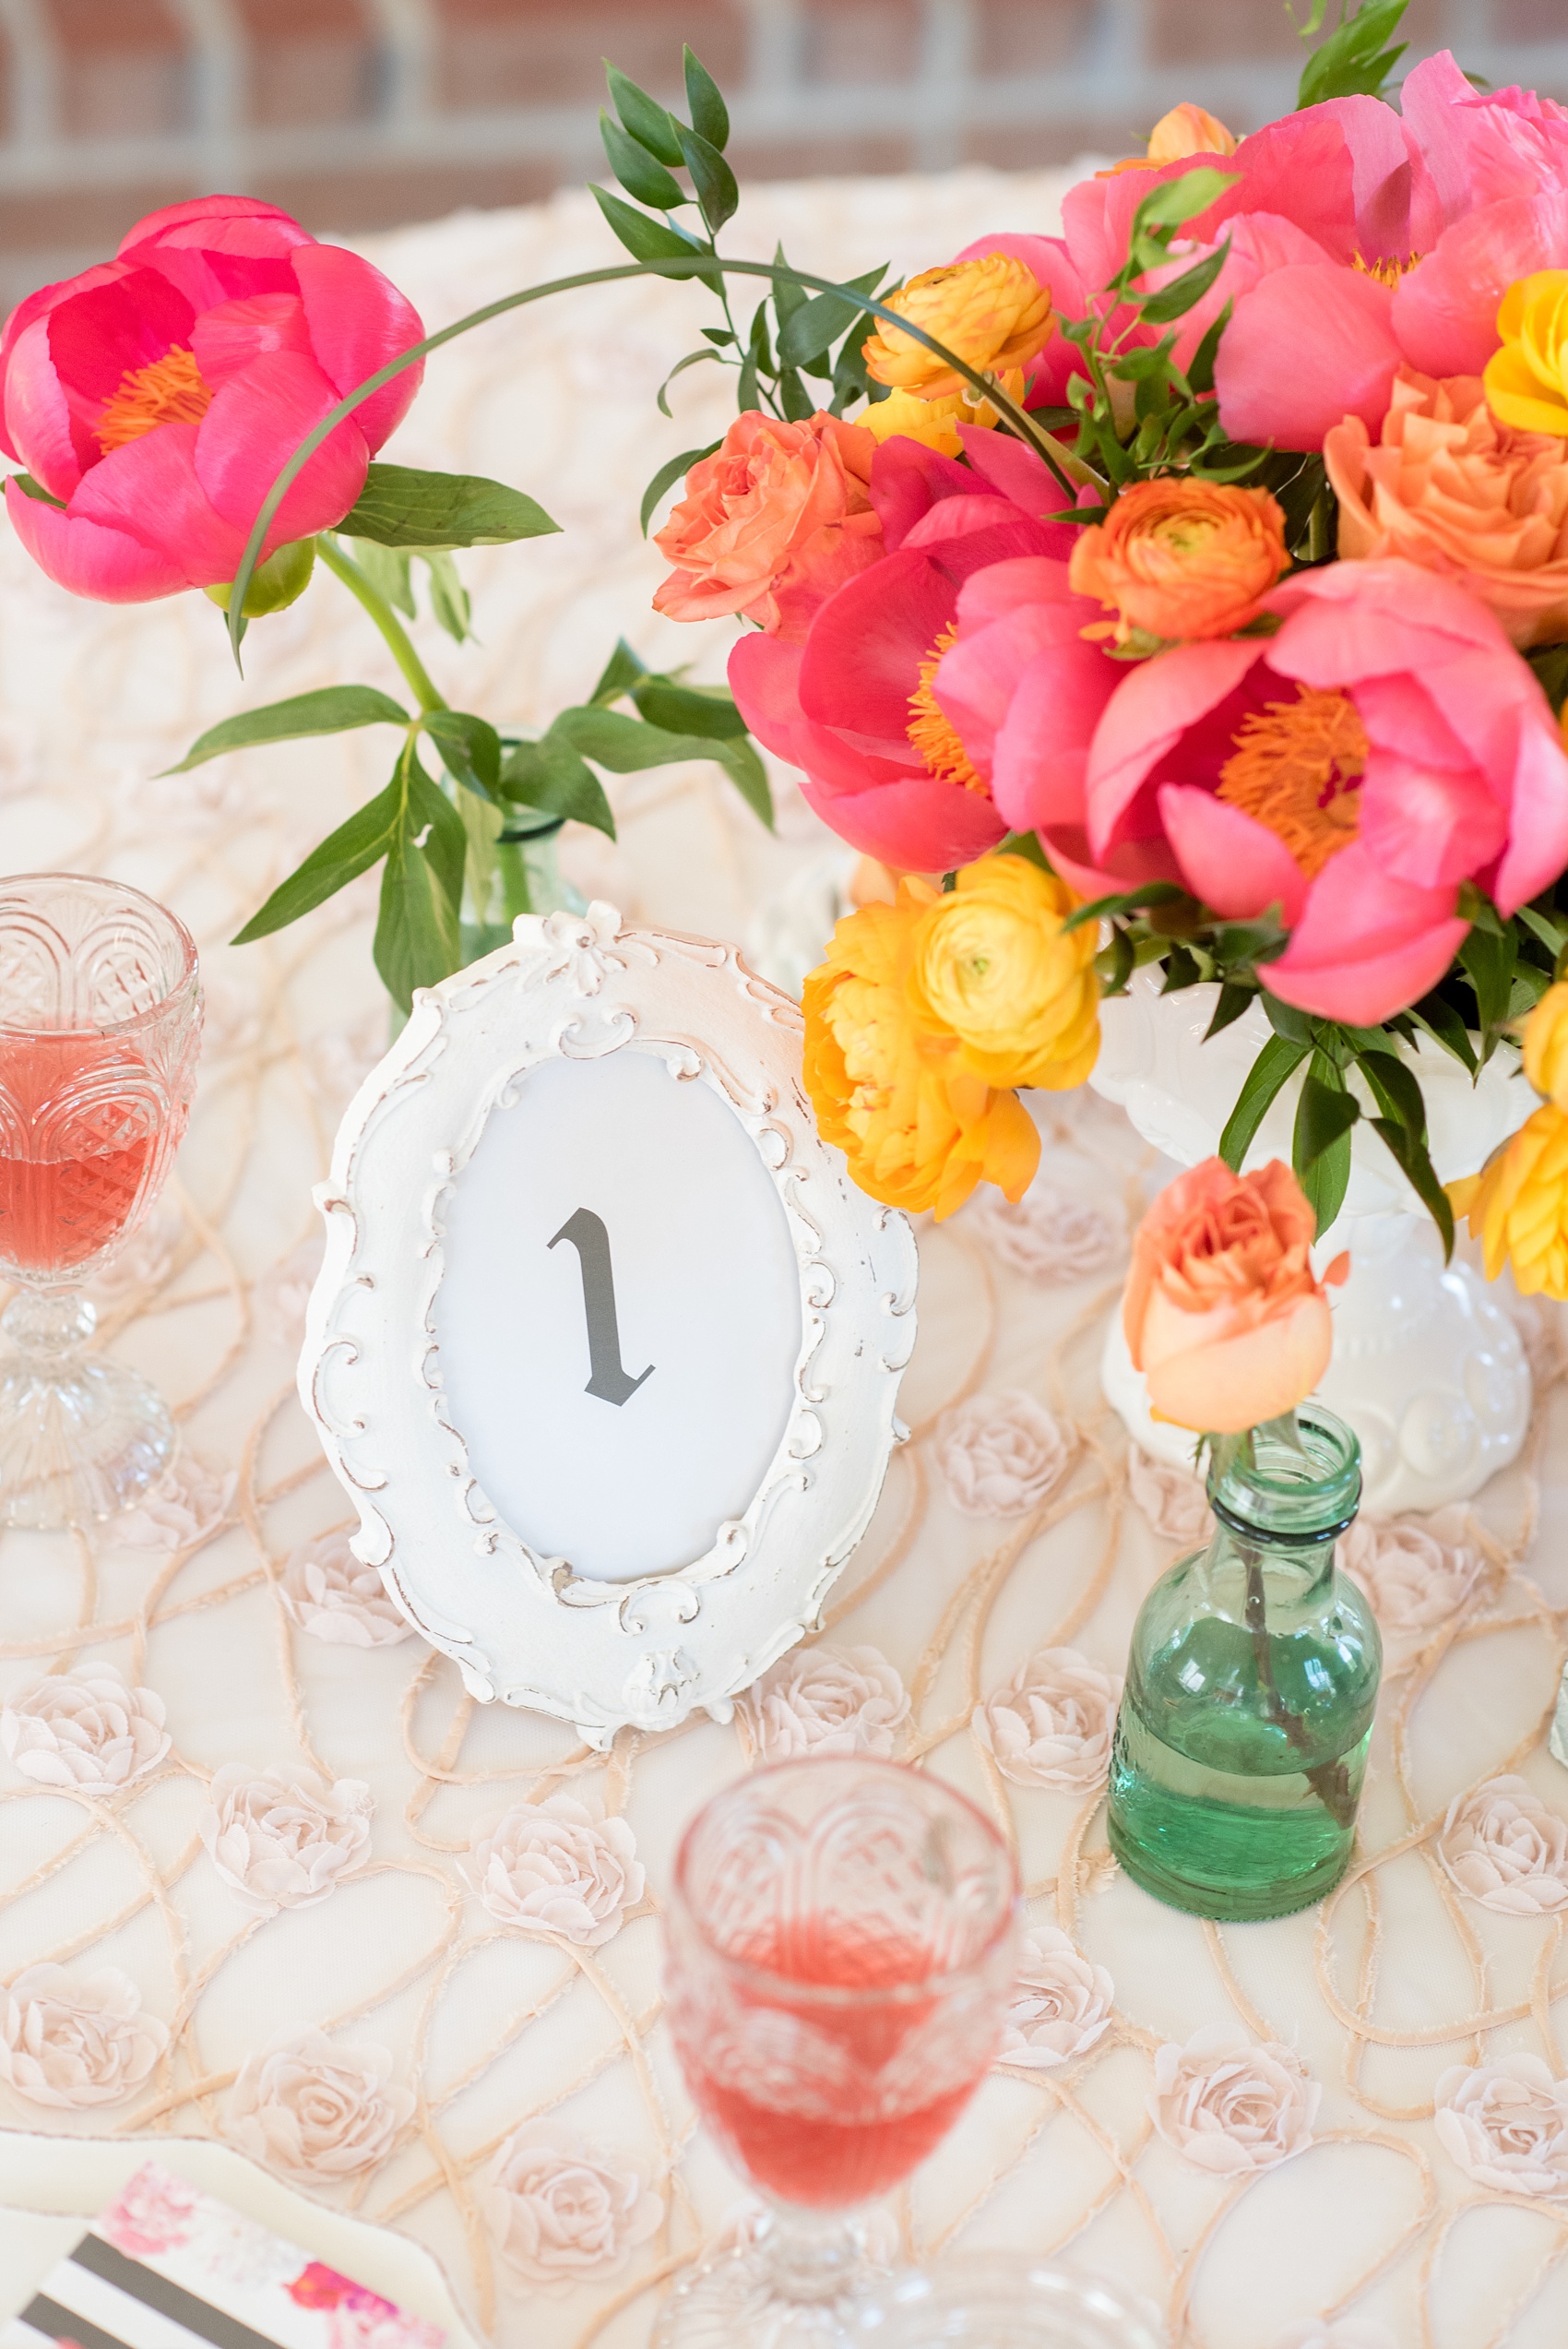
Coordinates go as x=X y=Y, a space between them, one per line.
x=1549 y=663
x=1181 y=971
x=1276 y=1063
x=352 y=849
x=332 y=710
x=1443 y=1025
x=620 y=673
x=691 y=358
x=667 y=473
x=648 y=240
x=1295 y=1026
x=551 y=775
x=1176 y=299
x=788 y=297
x=636 y=170
x=30 y=488
x=708 y=710
x=1487 y=963
x=1126 y=901
x=1114 y=963
x=448 y=596
x=1551 y=934
x=740 y=762
x=811 y=330
x=798 y=402
x=417 y=936
x=643 y=116
x=401 y=506
x=1353 y=61
x=710 y=116
x=469 y=748
x=1233 y=1003
x=1395 y=1088
x=712 y=178
x=387 y=568
x=1176 y=201
x=1323 y=1113
x=1410 y=1154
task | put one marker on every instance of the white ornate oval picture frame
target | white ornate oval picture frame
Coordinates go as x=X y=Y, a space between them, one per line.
x=591 y=1153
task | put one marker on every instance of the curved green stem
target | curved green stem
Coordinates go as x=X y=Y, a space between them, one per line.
x=398 y=642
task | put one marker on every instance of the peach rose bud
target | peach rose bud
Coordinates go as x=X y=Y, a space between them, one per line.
x=772 y=524
x=1178 y=559
x=1185 y=130
x=1223 y=1313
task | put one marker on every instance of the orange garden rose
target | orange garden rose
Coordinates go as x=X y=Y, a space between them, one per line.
x=1449 y=487
x=1223 y=1313
x=772 y=523
x=991 y=311
x=1178 y=560
x=918 y=1126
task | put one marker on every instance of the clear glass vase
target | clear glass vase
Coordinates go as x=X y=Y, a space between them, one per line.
x=513 y=867
x=1252 y=1681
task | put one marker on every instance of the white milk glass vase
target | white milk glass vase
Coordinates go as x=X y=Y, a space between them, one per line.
x=1428 y=1367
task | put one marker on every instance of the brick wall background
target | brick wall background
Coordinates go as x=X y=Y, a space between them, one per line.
x=363 y=113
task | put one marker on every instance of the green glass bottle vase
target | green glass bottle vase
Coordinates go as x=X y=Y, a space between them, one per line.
x=1242 y=1742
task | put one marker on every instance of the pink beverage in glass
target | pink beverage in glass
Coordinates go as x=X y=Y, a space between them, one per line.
x=92 y=1131
x=842 y=1947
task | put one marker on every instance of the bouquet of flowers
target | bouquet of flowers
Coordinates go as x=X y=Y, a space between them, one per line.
x=1187 y=589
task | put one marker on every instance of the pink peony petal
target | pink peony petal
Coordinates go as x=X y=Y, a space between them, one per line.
x=40 y=432
x=1229 y=860
x=149 y=490
x=921 y=825
x=1367 y=944
x=1444 y=312
x=1308 y=348
x=1155 y=705
x=269 y=225
x=229 y=336
x=256 y=421
x=357 y=321
x=1538 y=848
x=861 y=661
x=89 y=558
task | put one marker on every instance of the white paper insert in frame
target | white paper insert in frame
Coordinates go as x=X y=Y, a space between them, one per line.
x=606 y=1346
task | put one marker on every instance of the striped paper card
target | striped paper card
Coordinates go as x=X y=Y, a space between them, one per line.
x=166 y=2267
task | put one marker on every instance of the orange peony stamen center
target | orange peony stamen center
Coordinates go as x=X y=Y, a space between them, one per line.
x=171 y=391
x=1297 y=767
x=1388 y=271
x=933 y=732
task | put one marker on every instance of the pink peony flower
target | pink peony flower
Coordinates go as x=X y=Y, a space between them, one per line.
x=1352 y=770
x=156 y=395
x=850 y=706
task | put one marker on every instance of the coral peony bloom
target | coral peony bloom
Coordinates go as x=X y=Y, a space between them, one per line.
x=853 y=707
x=989 y=309
x=157 y=396
x=918 y=1126
x=1517 y=1205
x=1526 y=381
x=1448 y=487
x=1546 y=1045
x=1387 y=744
x=772 y=523
x=1183 y=558
x=1222 y=1311
x=993 y=966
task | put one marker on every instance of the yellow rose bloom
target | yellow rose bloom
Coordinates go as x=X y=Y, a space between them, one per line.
x=917 y=1128
x=1185 y=130
x=1526 y=381
x=1517 y=1205
x=1546 y=1045
x=934 y=422
x=992 y=966
x=991 y=312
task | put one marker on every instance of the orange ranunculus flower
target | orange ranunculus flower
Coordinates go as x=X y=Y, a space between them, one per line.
x=919 y=1127
x=1178 y=558
x=991 y=311
x=1449 y=487
x=1223 y=1313
x=993 y=966
x=1517 y=1205
x=1546 y=1044
x=772 y=523
x=1185 y=130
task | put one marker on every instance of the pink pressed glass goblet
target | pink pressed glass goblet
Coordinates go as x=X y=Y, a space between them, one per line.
x=841 y=1942
x=100 y=1028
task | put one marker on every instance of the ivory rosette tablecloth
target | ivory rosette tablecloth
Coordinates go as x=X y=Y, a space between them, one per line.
x=1239 y=2123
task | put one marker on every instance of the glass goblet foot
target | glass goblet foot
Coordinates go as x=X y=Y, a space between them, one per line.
x=80 y=1436
x=793 y=2281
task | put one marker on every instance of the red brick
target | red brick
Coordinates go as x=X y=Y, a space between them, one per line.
x=510 y=53
x=862 y=40
x=123 y=66
x=813 y=158
x=1030 y=36
x=311 y=61
x=89 y=220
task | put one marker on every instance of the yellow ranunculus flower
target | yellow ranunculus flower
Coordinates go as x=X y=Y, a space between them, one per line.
x=991 y=311
x=1546 y=1044
x=934 y=422
x=919 y=1127
x=993 y=966
x=1517 y=1205
x=1526 y=381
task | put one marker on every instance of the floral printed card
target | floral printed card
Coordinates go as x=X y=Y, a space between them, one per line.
x=167 y=2267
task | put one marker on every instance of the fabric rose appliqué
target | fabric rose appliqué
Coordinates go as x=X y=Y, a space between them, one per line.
x=84 y=1728
x=1060 y=2004
x=1506 y=2125
x=1502 y=1845
x=192 y=1504
x=329 y=1594
x=1228 y=2106
x=72 y=2040
x=1173 y=1501
x=1419 y=1572
x=824 y=1700
x=1052 y=1724
x=316 y=2110
x=552 y=1868
x=1000 y=1455
x=1047 y=1236
x=564 y=2210
x=284 y=1839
